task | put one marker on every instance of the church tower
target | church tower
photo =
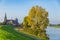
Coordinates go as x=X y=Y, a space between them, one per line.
x=5 y=19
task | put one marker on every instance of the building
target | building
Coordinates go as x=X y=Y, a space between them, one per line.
x=10 y=21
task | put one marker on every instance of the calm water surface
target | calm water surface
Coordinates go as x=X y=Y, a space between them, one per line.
x=54 y=33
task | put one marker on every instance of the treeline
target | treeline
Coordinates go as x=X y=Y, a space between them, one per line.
x=54 y=24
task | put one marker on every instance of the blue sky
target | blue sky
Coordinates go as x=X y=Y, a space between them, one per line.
x=20 y=9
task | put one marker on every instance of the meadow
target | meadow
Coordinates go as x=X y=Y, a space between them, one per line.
x=7 y=32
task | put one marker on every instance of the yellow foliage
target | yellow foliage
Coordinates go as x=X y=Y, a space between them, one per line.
x=37 y=20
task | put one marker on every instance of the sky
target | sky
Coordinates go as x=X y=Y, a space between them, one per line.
x=20 y=8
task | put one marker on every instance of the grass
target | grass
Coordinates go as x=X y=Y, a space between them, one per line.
x=8 y=33
x=29 y=34
x=34 y=36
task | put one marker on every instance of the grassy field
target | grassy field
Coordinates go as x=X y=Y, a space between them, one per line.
x=8 y=33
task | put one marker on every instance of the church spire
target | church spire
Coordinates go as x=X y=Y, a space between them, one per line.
x=5 y=18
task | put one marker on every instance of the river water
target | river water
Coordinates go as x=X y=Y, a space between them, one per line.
x=53 y=33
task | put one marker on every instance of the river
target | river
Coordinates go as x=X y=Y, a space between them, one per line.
x=54 y=33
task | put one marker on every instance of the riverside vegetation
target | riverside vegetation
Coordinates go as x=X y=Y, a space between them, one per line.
x=36 y=22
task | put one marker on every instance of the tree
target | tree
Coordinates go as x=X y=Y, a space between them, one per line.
x=37 y=20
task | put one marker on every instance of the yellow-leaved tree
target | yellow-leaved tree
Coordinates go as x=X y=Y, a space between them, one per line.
x=37 y=21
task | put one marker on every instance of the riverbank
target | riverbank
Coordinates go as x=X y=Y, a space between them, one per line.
x=55 y=26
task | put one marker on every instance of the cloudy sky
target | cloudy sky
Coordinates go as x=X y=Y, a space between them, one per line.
x=20 y=8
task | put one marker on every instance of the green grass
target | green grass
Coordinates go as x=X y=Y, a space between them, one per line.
x=8 y=33
x=34 y=36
